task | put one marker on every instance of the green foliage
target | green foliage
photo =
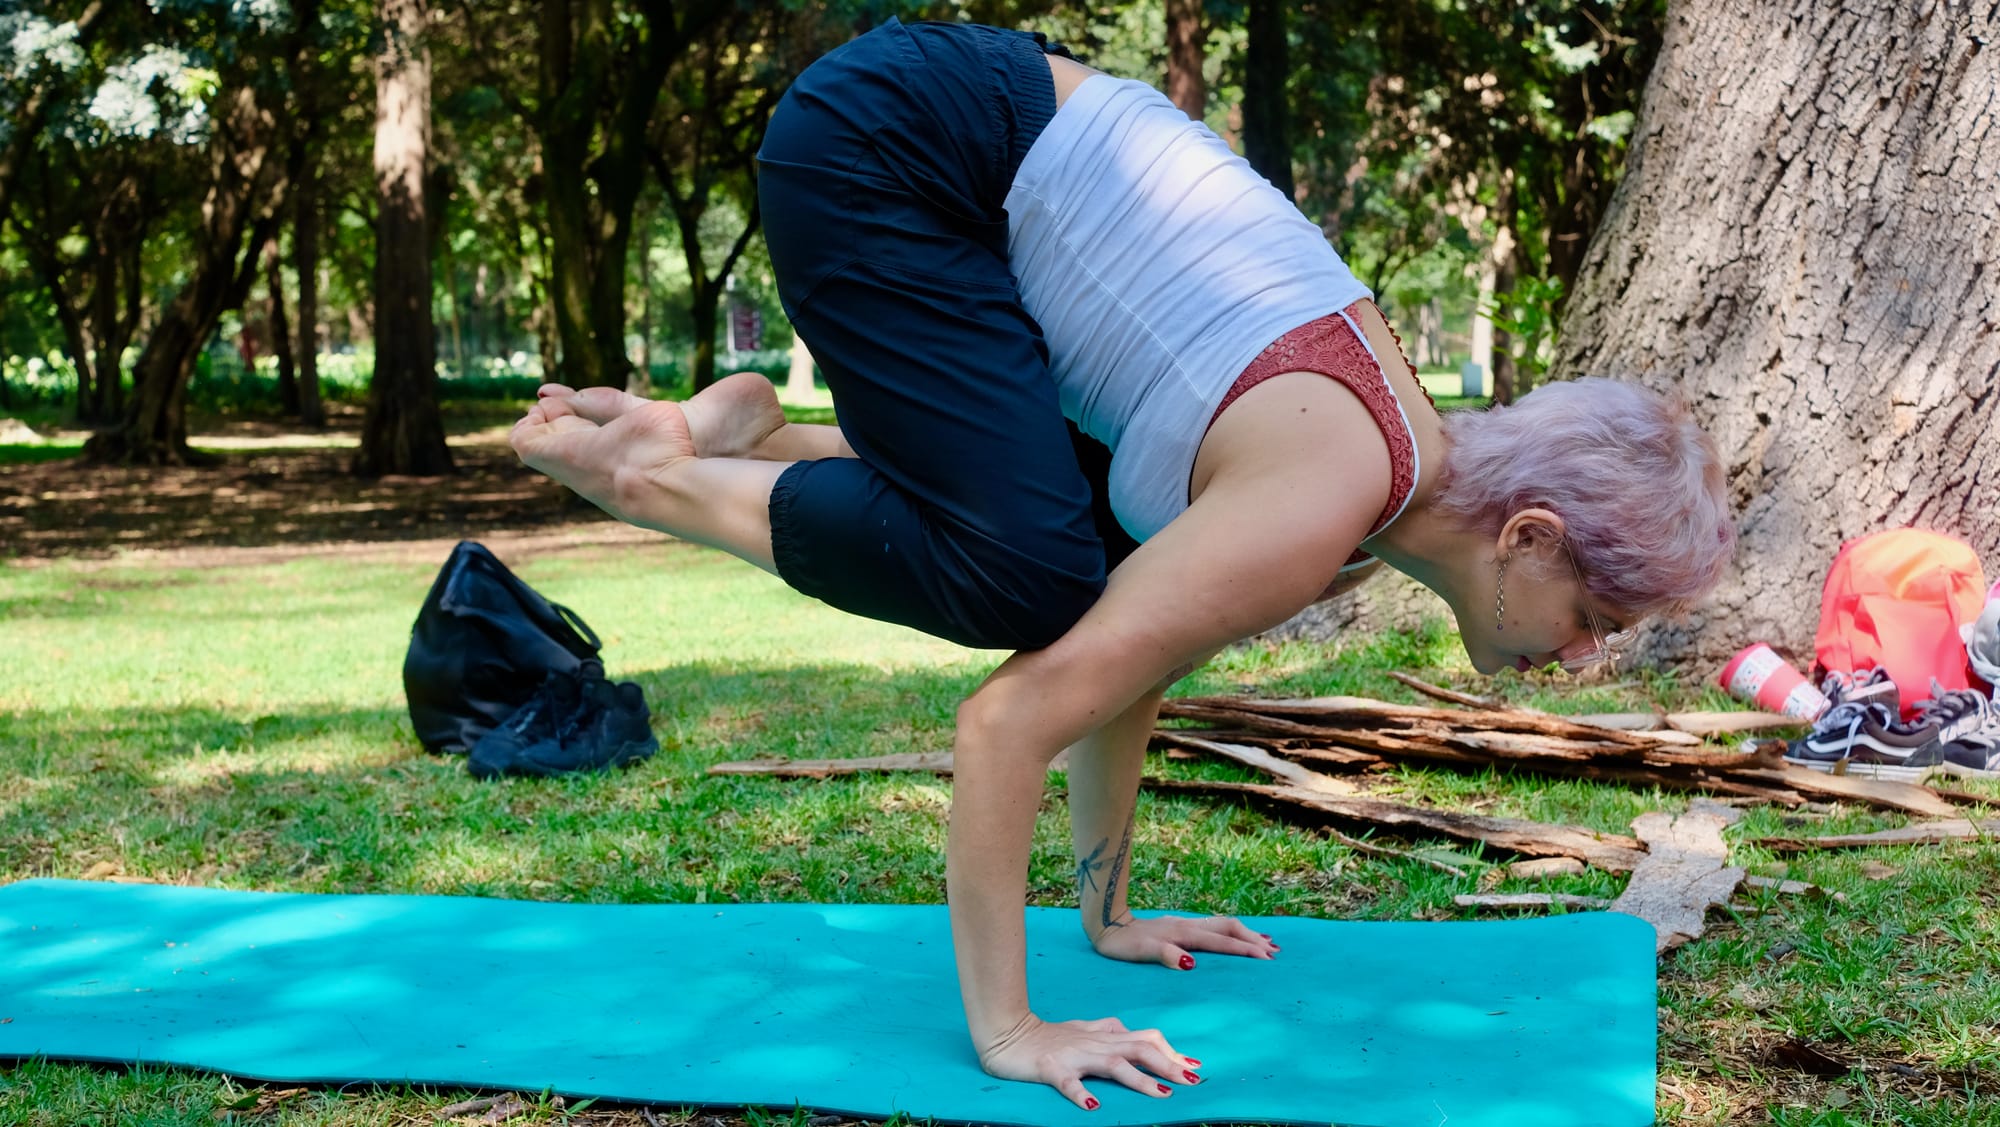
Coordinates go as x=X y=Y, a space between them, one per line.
x=1527 y=313
x=38 y=380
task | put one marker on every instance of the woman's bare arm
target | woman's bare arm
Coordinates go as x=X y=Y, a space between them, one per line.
x=1262 y=540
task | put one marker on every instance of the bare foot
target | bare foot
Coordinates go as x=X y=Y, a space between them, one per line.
x=733 y=416
x=602 y=444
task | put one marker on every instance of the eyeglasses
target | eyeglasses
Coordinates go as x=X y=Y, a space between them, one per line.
x=1604 y=645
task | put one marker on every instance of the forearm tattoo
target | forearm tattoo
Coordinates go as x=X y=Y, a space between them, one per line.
x=1088 y=867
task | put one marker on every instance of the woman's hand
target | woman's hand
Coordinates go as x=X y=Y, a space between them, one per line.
x=1060 y=1054
x=1172 y=940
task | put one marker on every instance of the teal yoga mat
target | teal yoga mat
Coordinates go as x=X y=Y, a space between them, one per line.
x=849 y=1008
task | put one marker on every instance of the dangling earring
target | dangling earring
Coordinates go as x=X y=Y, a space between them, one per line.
x=1500 y=597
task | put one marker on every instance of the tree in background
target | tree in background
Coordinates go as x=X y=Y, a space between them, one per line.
x=1419 y=125
x=252 y=156
x=83 y=218
x=403 y=432
x=598 y=74
x=47 y=45
x=80 y=181
x=1267 y=110
x=1807 y=246
x=704 y=141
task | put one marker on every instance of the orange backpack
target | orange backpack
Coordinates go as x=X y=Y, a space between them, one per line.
x=1895 y=600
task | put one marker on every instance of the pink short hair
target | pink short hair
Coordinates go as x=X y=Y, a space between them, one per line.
x=1637 y=482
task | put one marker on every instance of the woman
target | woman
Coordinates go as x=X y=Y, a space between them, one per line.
x=980 y=237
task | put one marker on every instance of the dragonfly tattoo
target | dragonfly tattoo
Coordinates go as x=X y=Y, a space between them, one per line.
x=1087 y=869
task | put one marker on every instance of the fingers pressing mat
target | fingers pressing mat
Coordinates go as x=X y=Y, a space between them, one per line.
x=844 y=1008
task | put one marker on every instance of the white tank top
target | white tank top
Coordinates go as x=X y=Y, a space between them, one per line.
x=1158 y=265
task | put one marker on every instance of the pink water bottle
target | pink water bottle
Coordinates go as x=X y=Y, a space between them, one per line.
x=1759 y=675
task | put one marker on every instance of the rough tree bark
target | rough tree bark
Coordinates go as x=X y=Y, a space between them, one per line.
x=1807 y=244
x=1187 y=43
x=403 y=432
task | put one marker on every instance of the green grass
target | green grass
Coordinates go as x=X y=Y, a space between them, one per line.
x=20 y=453
x=243 y=727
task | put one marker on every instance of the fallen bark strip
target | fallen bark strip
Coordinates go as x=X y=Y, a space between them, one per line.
x=1692 y=723
x=1792 y=888
x=1611 y=852
x=1496 y=738
x=1528 y=900
x=1545 y=867
x=1282 y=770
x=930 y=762
x=1290 y=747
x=1728 y=723
x=1340 y=711
x=1908 y=798
x=1927 y=833
x=1683 y=874
x=1451 y=695
x=1697 y=780
x=933 y=762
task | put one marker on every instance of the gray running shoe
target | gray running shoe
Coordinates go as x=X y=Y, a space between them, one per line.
x=1970 y=738
x=1867 y=686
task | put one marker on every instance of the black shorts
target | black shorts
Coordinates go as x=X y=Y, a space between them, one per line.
x=882 y=183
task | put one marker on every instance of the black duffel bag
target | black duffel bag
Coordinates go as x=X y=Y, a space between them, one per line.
x=481 y=645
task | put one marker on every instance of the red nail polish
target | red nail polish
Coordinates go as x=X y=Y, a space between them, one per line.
x=1191 y=1077
x=1090 y=1103
x=1192 y=1063
x=1187 y=962
x=1164 y=1089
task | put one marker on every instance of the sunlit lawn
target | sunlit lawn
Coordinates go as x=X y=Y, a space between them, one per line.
x=243 y=727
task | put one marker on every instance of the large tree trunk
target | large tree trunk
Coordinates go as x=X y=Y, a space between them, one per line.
x=305 y=258
x=281 y=329
x=1807 y=245
x=1267 y=141
x=403 y=433
x=115 y=302
x=1187 y=43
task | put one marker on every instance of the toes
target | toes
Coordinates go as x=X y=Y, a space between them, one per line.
x=603 y=404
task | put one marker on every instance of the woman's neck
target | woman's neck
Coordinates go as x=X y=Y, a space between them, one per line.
x=1435 y=550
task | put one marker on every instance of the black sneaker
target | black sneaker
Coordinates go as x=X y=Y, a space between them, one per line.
x=580 y=722
x=615 y=728
x=553 y=705
x=1861 y=738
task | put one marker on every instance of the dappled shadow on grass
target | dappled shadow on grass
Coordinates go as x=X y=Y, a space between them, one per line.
x=345 y=799
x=306 y=496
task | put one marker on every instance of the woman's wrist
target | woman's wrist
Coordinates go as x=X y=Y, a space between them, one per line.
x=989 y=1047
x=1097 y=924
